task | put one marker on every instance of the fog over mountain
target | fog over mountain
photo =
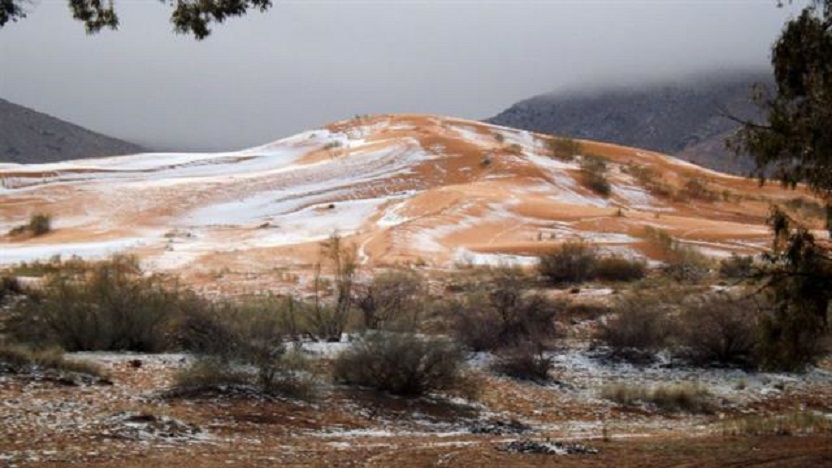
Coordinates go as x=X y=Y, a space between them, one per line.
x=304 y=64
x=685 y=118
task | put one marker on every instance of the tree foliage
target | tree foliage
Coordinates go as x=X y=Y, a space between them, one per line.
x=795 y=144
x=188 y=16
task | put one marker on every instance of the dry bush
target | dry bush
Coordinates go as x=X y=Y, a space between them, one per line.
x=737 y=267
x=620 y=269
x=402 y=364
x=341 y=259
x=684 y=263
x=564 y=148
x=571 y=262
x=523 y=362
x=685 y=397
x=244 y=344
x=19 y=359
x=38 y=225
x=796 y=423
x=110 y=306
x=638 y=328
x=696 y=189
x=505 y=316
x=720 y=329
x=392 y=300
x=593 y=175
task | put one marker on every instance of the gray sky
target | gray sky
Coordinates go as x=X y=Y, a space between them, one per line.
x=307 y=63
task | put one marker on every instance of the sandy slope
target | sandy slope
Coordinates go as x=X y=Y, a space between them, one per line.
x=404 y=188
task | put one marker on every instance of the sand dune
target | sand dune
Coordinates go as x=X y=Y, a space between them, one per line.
x=403 y=188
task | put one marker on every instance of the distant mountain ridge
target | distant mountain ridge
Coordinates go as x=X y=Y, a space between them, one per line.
x=682 y=119
x=31 y=137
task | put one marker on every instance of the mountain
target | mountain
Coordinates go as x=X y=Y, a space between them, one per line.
x=683 y=119
x=404 y=189
x=28 y=136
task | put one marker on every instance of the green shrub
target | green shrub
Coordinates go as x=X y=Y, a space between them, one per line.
x=571 y=262
x=402 y=364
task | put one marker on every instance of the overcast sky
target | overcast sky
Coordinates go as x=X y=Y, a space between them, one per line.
x=307 y=63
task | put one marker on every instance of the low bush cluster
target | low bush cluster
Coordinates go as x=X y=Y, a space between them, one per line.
x=684 y=397
x=402 y=364
x=577 y=262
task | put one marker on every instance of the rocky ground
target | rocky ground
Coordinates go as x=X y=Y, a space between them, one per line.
x=128 y=420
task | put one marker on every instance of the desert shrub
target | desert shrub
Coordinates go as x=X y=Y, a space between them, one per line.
x=638 y=328
x=571 y=262
x=20 y=359
x=243 y=344
x=209 y=374
x=683 y=263
x=401 y=364
x=620 y=269
x=505 y=316
x=795 y=423
x=720 y=329
x=686 y=397
x=523 y=362
x=341 y=259
x=696 y=189
x=737 y=267
x=392 y=300
x=593 y=175
x=112 y=306
x=564 y=148
x=9 y=287
x=40 y=224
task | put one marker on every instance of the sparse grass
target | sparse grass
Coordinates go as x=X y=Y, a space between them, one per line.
x=683 y=263
x=795 y=423
x=696 y=189
x=649 y=178
x=38 y=225
x=19 y=359
x=683 y=397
